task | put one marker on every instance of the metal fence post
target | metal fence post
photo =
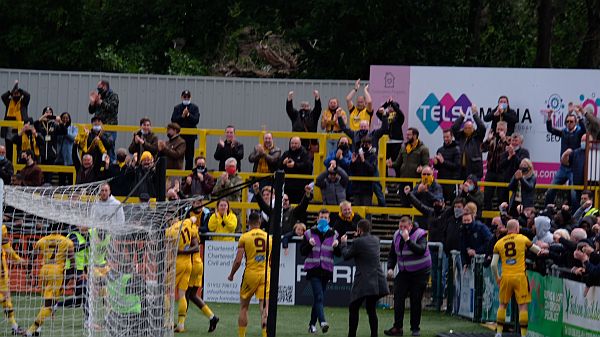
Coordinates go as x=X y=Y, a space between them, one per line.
x=436 y=250
x=479 y=284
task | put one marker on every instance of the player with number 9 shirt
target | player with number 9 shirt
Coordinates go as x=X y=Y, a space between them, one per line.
x=253 y=244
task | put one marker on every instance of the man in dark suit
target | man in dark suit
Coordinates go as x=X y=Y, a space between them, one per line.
x=370 y=283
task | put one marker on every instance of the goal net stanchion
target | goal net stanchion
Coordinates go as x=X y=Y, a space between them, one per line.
x=130 y=263
x=275 y=219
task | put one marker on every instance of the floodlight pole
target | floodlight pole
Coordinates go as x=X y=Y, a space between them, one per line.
x=275 y=218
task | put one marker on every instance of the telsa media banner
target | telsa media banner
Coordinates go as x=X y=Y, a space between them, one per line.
x=433 y=97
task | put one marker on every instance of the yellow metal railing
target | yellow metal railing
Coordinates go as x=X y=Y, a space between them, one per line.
x=318 y=166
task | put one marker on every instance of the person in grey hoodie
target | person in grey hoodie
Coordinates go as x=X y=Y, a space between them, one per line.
x=333 y=183
x=542 y=230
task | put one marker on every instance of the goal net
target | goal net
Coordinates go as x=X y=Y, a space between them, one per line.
x=119 y=280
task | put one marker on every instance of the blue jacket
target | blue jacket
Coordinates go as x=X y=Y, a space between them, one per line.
x=65 y=145
x=474 y=236
x=568 y=140
x=344 y=163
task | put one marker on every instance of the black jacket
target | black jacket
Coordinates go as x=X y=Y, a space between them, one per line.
x=450 y=168
x=25 y=98
x=396 y=120
x=356 y=136
x=186 y=122
x=48 y=131
x=369 y=278
x=291 y=215
x=510 y=166
x=6 y=170
x=470 y=146
x=568 y=140
x=303 y=120
x=509 y=116
x=120 y=185
x=233 y=149
x=364 y=169
x=435 y=222
x=342 y=226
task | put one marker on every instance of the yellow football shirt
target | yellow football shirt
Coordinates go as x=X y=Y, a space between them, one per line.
x=54 y=248
x=254 y=243
x=358 y=115
x=186 y=231
x=512 y=249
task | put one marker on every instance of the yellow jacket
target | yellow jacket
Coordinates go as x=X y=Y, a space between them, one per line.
x=225 y=224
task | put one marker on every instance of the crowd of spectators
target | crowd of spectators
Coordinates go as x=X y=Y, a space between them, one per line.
x=451 y=213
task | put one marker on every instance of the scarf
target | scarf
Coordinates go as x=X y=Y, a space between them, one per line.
x=14 y=111
x=263 y=166
x=349 y=219
x=410 y=147
x=29 y=144
x=82 y=140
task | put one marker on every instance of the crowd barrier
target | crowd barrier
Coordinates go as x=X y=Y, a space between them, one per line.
x=559 y=307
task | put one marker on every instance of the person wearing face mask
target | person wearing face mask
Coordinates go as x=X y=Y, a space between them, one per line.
x=470 y=191
x=408 y=252
x=65 y=136
x=570 y=138
x=295 y=161
x=304 y=119
x=369 y=283
x=6 y=167
x=523 y=187
x=174 y=148
x=575 y=159
x=428 y=190
x=470 y=139
x=94 y=142
x=502 y=113
x=228 y=180
x=32 y=174
x=363 y=165
x=319 y=245
x=199 y=182
x=187 y=115
x=29 y=139
x=16 y=101
x=363 y=110
x=374 y=135
x=144 y=139
x=411 y=160
x=104 y=104
x=475 y=238
x=342 y=155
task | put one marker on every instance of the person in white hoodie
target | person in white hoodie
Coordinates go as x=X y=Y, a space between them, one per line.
x=108 y=208
x=542 y=230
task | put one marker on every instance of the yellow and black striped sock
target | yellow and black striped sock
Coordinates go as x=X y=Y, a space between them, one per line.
x=500 y=320
x=182 y=310
x=523 y=321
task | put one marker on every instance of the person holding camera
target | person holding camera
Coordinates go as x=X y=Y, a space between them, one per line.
x=369 y=283
x=16 y=101
x=409 y=252
x=144 y=139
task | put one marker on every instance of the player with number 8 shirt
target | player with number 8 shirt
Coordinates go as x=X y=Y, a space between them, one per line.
x=255 y=282
x=510 y=250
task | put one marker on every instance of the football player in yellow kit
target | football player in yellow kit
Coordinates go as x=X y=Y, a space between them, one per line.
x=5 y=299
x=253 y=245
x=55 y=250
x=195 y=283
x=510 y=250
